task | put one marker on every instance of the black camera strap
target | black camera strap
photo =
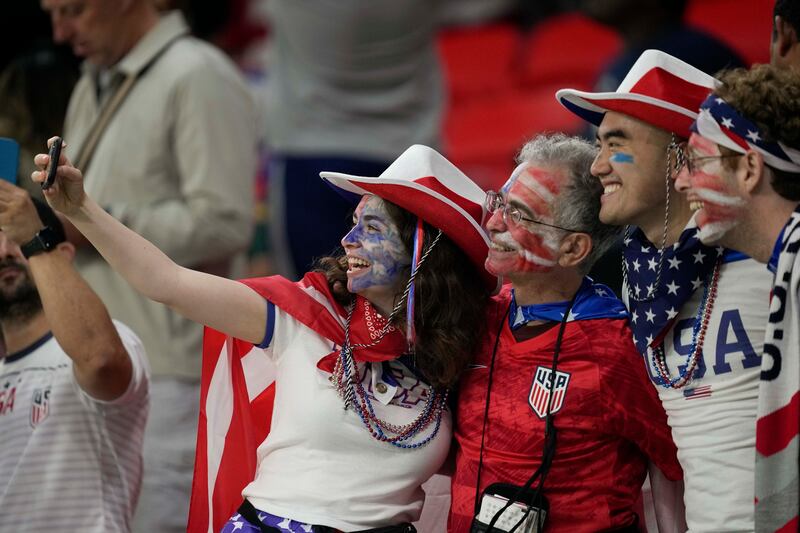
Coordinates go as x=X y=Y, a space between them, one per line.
x=477 y=505
x=549 y=448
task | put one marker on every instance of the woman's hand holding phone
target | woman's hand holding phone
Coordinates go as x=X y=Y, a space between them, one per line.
x=62 y=184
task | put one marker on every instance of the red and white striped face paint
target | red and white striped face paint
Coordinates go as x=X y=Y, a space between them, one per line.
x=526 y=246
x=711 y=190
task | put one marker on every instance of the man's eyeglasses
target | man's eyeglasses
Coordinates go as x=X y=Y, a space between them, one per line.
x=692 y=162
x=494 y=201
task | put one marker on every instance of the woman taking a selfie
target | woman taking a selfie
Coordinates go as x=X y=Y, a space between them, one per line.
x=364 y=350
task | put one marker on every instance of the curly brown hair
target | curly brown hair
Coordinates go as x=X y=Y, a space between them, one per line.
x=770 y=98
x=450 y=301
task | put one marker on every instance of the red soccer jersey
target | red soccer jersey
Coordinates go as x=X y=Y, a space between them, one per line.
x=608 y=416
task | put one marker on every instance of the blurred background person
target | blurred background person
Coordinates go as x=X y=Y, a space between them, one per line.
x=661 y=25
x=165 y=128
x=350 y=85
x=73 y=387
x=785 y=49
x=35 y=89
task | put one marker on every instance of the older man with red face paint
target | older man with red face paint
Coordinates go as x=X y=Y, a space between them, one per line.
x=697 y=312
x=743 y=178
x=556 y=412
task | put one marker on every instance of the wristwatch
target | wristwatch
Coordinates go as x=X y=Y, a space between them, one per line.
x=44 y=241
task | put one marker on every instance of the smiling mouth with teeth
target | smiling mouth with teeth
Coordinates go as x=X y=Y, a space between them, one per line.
x=355 y=263
x=696 y=205
x=500 y=247
x=611 y=187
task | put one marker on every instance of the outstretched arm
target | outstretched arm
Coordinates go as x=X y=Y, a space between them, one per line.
x=223 y=304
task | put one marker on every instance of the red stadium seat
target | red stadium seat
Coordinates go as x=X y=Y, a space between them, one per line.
x=568 y=49
x=478 y=61
x=744 y=25
x=483 y=137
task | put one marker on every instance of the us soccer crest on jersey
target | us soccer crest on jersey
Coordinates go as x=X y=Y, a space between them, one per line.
x=540 y=391
x=40 y=406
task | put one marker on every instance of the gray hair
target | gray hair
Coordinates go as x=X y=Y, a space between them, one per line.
x=578 y=204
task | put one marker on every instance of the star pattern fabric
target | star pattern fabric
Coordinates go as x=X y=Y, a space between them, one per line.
x=721 y=123
x=593 y=300
x=238 y=523
x=686 y=266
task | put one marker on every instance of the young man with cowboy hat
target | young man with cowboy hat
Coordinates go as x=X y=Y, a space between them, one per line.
x=697 y=312
x=743 y=178
x=556 y=411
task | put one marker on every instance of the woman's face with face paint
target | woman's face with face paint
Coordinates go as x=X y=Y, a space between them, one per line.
x=711 y=189
x=375 y=252
x=526 y=246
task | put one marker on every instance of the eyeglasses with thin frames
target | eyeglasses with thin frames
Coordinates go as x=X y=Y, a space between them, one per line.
x=691 y=162
x=494 y=201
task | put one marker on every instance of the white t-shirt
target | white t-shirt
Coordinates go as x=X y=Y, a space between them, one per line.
x=713 y=416
x=319 y=465
x=69 y=462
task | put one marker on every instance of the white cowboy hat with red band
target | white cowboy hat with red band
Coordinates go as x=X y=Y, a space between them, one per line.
x=426 y=184
x=660 y=90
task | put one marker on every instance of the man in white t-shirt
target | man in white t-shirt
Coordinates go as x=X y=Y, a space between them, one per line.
x=743 y=178
x=73 y=386
x=698 y=313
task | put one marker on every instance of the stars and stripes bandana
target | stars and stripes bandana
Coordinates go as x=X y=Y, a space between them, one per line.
x=686 y=266
x=594 y=300
x=718 y=121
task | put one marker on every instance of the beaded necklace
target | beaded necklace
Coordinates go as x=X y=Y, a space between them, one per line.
x=351 y=390
x=659 y=358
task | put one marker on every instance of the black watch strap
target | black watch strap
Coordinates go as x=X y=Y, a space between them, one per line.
x=44 y=241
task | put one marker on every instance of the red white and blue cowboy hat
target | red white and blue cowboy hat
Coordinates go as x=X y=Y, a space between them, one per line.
x=661 y=90
x=426 y=184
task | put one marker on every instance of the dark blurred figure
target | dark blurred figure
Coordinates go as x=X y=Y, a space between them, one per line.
x=35 y=25
x=785 y=49
x=646 y=24
x=225 y=23
x=658 y=24
x=35 y=89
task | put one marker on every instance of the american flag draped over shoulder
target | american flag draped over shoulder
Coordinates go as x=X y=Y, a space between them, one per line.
x=237 y=392
x=778 y=425
x=236 y=396
x=686 y=266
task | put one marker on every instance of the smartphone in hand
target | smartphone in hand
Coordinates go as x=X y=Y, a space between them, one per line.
x=52 y=164
x=9 y=159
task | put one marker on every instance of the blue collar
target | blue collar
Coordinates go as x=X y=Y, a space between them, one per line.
x=772 y=264
x=592 y=301
x=16 y=356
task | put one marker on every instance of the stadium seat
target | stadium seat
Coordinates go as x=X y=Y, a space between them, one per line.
x=744 y=25
x=567 y=49
x=478 y=61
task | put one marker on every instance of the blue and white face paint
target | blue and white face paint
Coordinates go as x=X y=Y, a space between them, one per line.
x=376 y=255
